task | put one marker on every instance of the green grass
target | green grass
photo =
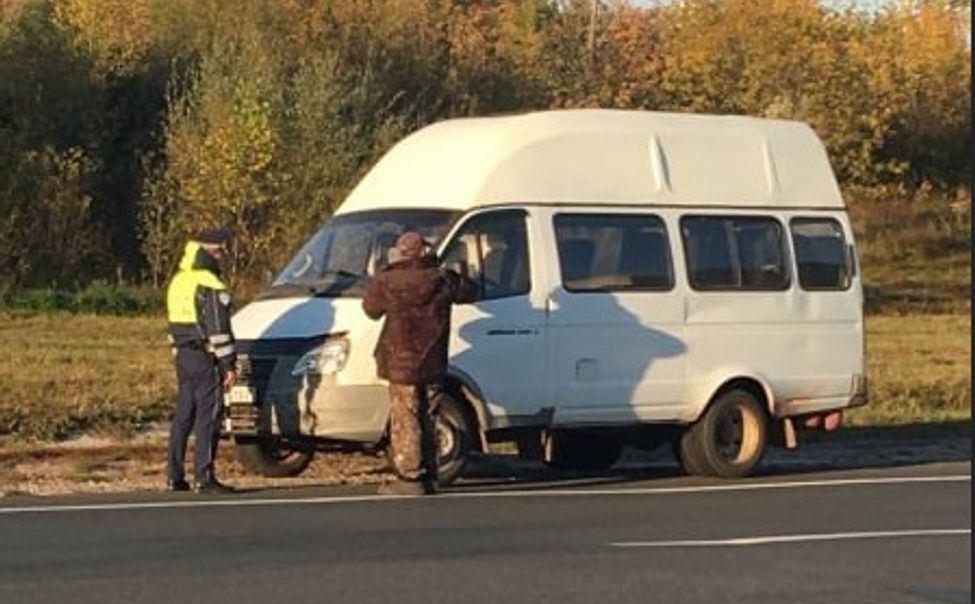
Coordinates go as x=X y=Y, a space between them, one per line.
x=96 y=298
x=65 y=375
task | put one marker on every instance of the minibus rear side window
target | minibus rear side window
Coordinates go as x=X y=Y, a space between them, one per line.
x=735 y=253
x=821 y=254
x=613 y=252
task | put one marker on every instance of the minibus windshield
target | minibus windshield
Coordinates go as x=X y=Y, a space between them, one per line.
x=350 y=248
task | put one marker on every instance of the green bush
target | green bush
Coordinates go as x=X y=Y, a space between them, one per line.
x=98 y=298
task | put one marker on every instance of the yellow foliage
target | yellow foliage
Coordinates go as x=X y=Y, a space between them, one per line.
x=855 y=80
x=276 y=107
x=115 y=33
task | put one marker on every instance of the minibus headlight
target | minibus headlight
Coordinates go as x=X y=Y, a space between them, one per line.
x=327 y=359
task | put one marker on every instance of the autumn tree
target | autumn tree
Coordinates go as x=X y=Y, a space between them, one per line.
x=125 y=125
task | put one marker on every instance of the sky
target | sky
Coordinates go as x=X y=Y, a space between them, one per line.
x=868 y=5
x=871 y=6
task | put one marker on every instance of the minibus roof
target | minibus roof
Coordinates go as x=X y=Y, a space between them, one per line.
x=601 y=156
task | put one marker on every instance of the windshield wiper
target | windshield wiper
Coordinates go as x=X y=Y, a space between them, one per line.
x=344 y=273
x=341 y=281
x=332 y=283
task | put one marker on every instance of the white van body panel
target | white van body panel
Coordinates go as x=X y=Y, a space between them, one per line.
x=297 y=318
x=797 y=344
x=555 y=358
x=613 y=357
x=602 y=157
x=499 y=346
x=350 y=404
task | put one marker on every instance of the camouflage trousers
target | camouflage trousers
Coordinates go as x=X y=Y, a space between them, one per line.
x=412 y=430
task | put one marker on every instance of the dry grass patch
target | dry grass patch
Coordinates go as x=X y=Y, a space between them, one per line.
x=106 y=466
x=915 y=251
x=919 y=370
x=63 y=375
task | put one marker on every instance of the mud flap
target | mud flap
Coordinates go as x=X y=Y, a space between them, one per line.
x=784 y=434
x=789 y=434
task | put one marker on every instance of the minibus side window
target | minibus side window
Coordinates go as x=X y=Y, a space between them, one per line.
x=615 y=252
x=494 y=248
x=821 y=254
x=735 y=253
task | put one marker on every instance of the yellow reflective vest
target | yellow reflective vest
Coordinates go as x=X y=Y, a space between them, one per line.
x=198 y=308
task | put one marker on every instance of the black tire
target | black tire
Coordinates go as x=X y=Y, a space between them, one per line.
x=456 y=434
x=687 y=455
x=729 y=440
x=273 y=457
x=582 y=452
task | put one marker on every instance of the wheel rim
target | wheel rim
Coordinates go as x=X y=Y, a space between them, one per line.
x=738 y=434
x=448 y=441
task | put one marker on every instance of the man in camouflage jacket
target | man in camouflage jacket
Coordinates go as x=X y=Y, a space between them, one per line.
x=415 y=295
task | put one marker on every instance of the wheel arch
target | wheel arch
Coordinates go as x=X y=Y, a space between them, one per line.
x=749 y=381
x=465 y=391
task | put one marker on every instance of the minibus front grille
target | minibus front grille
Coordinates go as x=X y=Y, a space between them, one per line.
x=257 y=359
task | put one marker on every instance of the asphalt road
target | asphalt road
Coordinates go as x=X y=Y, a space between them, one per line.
x=883 y=535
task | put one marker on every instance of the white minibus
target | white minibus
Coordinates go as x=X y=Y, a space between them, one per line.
x=644 y=278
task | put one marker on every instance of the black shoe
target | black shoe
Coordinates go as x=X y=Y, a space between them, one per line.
x=175 y=486
x=212 y=487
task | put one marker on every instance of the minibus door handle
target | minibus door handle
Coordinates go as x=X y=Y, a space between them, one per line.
x=512 y=331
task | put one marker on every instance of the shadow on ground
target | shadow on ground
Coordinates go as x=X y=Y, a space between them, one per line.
x=126 y=468
x=852 y=448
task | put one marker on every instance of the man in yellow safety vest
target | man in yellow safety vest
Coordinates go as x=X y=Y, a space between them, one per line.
x=198 y=305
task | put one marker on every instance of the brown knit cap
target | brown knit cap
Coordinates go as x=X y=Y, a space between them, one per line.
x=409 y=245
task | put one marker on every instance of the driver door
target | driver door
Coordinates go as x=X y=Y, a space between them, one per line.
x=498 y=342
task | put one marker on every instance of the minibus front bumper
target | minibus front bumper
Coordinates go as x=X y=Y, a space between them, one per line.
x=270 y=400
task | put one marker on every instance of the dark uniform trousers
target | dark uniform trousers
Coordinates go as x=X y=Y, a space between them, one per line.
x=199 y=398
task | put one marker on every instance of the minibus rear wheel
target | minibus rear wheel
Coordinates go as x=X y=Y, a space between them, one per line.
x=729 y=440
x=688 y=455
x=272 y=456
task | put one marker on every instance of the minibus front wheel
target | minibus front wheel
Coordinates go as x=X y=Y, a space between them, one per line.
x=273 y=456
x=456 y=436
x=729 y=440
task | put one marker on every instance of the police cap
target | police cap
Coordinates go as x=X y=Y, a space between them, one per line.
x=215 y=236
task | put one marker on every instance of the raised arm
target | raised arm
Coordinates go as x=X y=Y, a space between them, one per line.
x=462 y=289
x=373 y=300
